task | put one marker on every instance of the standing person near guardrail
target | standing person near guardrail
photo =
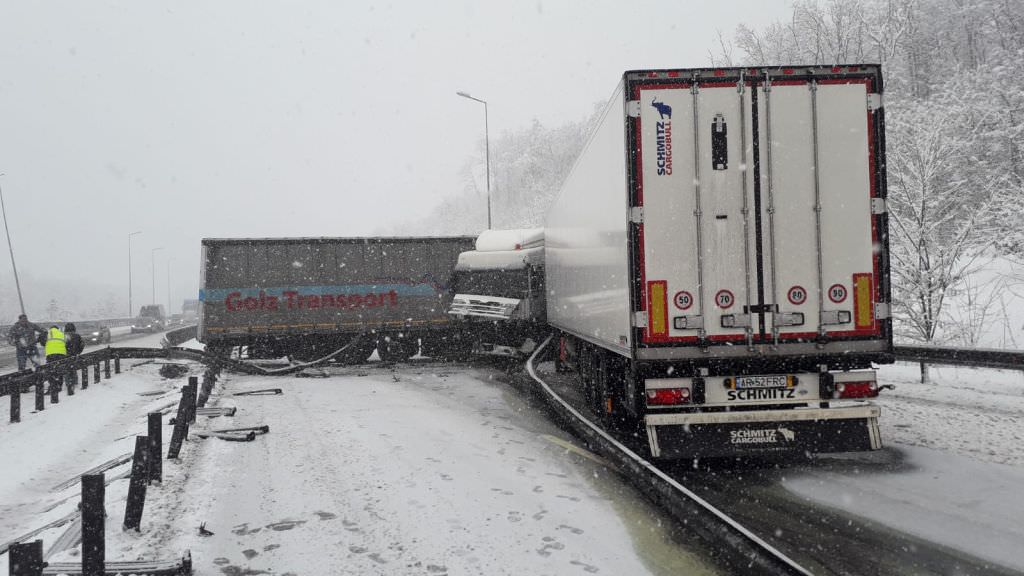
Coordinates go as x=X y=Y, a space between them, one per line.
x=56 y=345
x=72 y=340
x=22 y=336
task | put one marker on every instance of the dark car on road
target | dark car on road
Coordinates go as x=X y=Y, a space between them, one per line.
x=93 y=332
x=151 y=319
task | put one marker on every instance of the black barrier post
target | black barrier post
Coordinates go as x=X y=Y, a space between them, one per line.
x=180 y=426
x=155 y=446
x=67 y=382
x=204 y=390
x=73 y=379
x=15 y=394
x=85 y=377
x=54 y=390
x=106 y=369
x=26 y=559
x=96 y=373
x=93 y=521
x=137 y=485
x=117 y=365
x=193 y=387
x=40 y=397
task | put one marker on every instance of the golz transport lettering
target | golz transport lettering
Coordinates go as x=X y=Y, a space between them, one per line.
x=293 y=300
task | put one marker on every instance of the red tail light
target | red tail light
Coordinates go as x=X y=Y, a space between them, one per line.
x=857 y=389
x=668 y=396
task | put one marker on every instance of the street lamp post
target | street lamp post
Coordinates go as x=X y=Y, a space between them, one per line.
x=487 y=152
x=10 y=247
x=152 y=264
x=169 y=260
x=130 y=271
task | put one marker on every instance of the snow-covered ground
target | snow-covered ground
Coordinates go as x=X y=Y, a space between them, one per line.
x=959 y=443
x=82 y=431
x=424 y=469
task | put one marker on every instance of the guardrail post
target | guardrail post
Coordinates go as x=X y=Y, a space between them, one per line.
x=106 y=369
x=96 y=373
x=40 y=397
x=85 y=377
x=193 y=386
x=137 y=485
x=155 y=435
x=206 y=388
x=93 y=521
x=180 y=426
x=54 y=390
x=73 y=378
x=67 y=378
x=26 y=559
x=15 y=394
x=117 y=365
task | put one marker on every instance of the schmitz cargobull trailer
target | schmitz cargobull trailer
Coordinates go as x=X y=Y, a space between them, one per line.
x=717 y=259
x=308 y=297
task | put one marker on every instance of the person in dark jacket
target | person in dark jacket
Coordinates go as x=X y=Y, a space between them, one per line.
x=72 y=340
x=22 y=336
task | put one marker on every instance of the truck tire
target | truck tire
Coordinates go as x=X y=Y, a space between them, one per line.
x=394 y=349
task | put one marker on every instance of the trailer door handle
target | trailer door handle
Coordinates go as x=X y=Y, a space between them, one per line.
x=719 y=143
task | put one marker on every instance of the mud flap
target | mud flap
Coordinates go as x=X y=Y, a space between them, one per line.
x=752 y=438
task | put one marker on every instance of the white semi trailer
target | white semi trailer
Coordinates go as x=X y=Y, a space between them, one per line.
x=717 y=260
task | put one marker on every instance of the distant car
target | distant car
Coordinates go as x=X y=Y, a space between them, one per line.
x=93 y=332
x=151 y=319
x=175 y=320
x=146 y=324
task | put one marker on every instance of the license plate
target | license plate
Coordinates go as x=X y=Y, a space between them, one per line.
x=760 y=382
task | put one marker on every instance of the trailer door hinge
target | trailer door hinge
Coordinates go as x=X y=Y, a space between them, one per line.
x=640 y=319
x=633 y=108
x=636 y=214
x=882 y=310
x=878 y=206
x=874 y=102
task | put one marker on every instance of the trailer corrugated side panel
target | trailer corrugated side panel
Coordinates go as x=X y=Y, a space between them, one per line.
x=586 y=248
x=763 y=222
x=326 y=285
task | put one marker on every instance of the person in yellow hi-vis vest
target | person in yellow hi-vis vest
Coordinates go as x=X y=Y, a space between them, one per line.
x=56 y=345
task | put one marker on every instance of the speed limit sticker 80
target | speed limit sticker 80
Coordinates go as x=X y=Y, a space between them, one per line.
x=797 y=295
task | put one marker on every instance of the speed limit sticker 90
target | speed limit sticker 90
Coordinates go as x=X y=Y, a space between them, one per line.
x=683 y=300
x=837 y=293
x=797 y=295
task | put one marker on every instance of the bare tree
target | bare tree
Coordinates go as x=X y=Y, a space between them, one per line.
x=935 y=237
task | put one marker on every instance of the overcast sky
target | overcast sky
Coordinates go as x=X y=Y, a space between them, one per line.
x=194 y=119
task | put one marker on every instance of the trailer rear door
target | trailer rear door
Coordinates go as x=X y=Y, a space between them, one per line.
x=756 y=202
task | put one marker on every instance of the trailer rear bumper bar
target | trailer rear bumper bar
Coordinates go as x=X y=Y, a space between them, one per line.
x=841 y=429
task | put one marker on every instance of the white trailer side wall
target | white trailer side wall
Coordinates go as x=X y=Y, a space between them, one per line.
x=587 y=261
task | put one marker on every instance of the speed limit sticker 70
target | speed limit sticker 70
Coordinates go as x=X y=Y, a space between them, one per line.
x=724 y=299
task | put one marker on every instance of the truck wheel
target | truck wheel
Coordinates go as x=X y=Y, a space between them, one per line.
x=393 y=349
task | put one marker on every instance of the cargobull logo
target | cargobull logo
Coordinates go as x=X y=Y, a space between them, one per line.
x=780 y=435
x=663 y=135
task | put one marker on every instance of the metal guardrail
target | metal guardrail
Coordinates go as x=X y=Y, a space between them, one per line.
x=179 y=336
x=975 y=357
